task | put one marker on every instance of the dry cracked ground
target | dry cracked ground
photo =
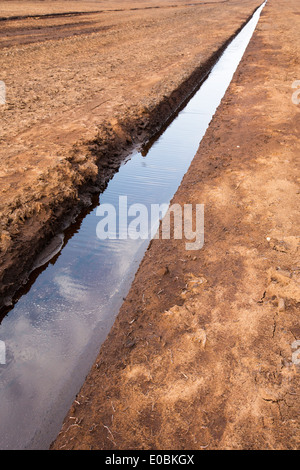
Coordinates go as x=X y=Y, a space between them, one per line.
x=200 y=355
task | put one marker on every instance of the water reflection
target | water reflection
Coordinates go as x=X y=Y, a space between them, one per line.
x=54 y=331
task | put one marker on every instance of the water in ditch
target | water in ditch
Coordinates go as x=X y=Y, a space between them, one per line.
x=53 y=333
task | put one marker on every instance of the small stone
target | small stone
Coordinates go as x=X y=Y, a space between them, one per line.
x=163 y=271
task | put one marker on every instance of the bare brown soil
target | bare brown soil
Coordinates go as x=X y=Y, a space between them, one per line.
x=80 y=88
x=16 y=8
x=200 y=355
